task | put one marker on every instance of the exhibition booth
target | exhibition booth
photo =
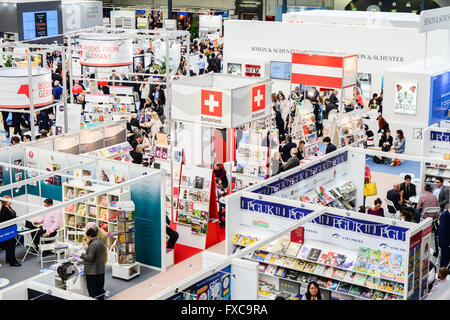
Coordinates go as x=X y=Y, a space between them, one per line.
x=269 y=45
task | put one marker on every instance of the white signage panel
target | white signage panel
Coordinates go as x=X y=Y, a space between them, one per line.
x=14 y=88
x=405 y=97
x=434 y=19
x=105 y=52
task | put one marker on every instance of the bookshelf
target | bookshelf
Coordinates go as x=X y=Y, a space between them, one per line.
x=304 y=128
x=347 y=129
x=335 y=272
x=103 y=210
x=342 y=196
x=433 y=170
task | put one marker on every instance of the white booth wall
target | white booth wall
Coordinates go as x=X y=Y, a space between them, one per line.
x=414 y=72
x=379 y=48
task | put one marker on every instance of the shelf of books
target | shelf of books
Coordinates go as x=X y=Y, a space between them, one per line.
x=103 y=210
x=251 y=165
x=197 y=217
x=304 y=128
x=347 y=129
x=342 y=196
x=366 y=274
x=433 y=170
x=119 y=104
x=119 y=152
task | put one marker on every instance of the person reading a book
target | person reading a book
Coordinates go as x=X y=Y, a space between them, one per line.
x=313 y=292
x=94 y=267
x=101 y=234
x=49 y=223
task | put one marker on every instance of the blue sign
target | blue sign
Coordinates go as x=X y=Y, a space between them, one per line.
x=215 y=287
x=303 y=174
x=439 y=98
x=8 y=233
x=327 y=219
x=440 y=136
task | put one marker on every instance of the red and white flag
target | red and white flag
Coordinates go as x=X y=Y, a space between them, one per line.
x=318 y=70
x=211 y=104
x=258 y=98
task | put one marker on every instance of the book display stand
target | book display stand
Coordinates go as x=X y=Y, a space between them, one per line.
x=197 y=216
x=304 y=128
x=119 y=152
x=436 y=147
x=347 y=129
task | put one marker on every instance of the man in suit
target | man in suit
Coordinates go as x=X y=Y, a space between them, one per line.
x=123 y=77
x=300 y=150
x=444 y=238
x=333 y=97
x=158 y=93
x=408 y=188
x=330 y=147
x=285 y=148
x=292 y=162
x=441 y=193
x=113 y=76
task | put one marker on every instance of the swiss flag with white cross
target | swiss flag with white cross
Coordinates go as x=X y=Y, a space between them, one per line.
x=258 y=98
x=211 y=103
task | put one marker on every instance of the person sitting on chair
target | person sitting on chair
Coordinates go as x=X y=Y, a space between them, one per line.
x=292 y=162
x=426 y=200
x=330 y=147
x=408 y=188
x=50 y=221
x=396 y=197
x=442 y=276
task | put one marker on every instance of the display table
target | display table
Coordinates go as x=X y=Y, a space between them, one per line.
x=126 y=271
x=23 y=231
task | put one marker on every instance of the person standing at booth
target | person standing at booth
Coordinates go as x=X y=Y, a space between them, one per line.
x=101 y=234
x=444 y=238
x=441 y=192
x=7 y=213
x=94 y=267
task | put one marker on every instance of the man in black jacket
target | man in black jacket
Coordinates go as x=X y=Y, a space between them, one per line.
x=292 y=162
x=285 y=148
x=333 y=98
x=43 y=120
x=300 y=150
x=408 y=188
x=330 y=147
x=158 y=93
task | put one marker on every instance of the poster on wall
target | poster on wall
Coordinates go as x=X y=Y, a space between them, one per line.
x=91 y=140
x=234 y=69
x=439 y=98
x=215 y=287
x=363 y=83
x=405 y=97
x=115 y=134
x=252 y=70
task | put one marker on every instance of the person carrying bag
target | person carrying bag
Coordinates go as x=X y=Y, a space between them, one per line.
x=370 y=188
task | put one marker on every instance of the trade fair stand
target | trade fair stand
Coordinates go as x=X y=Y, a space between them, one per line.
x=128 y=206
x=29 y=89
x=350 y=255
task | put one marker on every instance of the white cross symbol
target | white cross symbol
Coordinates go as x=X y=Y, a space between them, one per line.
x=258 y=97
x=211 y=103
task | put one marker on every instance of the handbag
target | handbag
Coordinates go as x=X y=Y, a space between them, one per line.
x=370 y=189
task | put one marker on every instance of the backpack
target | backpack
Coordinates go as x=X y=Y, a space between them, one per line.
x=377 y=160
x=66 y=270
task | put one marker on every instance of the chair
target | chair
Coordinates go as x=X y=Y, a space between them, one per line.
x=393 y=213
x=48 y=244
x=431 y=212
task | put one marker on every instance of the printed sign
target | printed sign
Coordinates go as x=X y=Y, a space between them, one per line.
x=105 y=52
x=405 y=97
x=211 y=103
x=8 y=233
x=258 y=98
x=434 y=19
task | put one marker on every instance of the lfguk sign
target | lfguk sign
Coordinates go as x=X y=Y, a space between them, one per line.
x=15 y=91
x=105 y=52
x=434 y=19
x=327 y=219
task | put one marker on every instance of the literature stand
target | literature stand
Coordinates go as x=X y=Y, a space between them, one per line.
x=357 y=256
x=120 y=152
x=304 y=128
x=102 y=210
x=197 y=216
x=347 y=129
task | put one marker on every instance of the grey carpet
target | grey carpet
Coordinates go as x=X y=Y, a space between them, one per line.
x=31 y=267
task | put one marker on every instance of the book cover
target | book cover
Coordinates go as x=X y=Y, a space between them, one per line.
x=374 y=256
x=395 y=261
x=319 y=269
x=350 y=276
x=70 y=208
x=322 y=258
x=384 y=258
x=374 y=270
x=236 y=237
x=344 y=287
x=366 y=293
x=280 y=272
x=360 y=279
x=390 y=296
x=280 y=260
x=281 y=245
x=103 y=200
x=289 y=262
x=302 y=277
x=311 y=277
x=322 y=282
x=361 y=266
x=329 y=272
x=303 y=253
x=314 y=254
x=332 y=284
x=399 y=288
x=399 y=276
x=262 y=267
x=339 y=274
x=292 y=274
x=243 y=241
x=387 y=273
x=378 y=295
x=340 y=260
x=363 y=254
x=93 y=211
x=370 y=282
x=387 y=285
x=293 y=249
x=299 y=265
x=355 y=290
x=259 y=255
x=271 y=269
x=81 y=209
x=309 y=267
x=273 y=258
x=331 y=259
x=297 y=235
